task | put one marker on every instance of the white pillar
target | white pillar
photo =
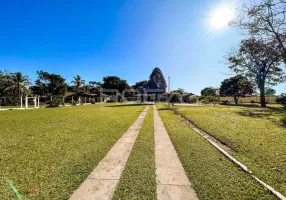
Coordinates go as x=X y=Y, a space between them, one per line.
x=72 y=100
x=35 y=102
x=21 y=101
x=38 y=101
x=85 y=99
x=26 y=102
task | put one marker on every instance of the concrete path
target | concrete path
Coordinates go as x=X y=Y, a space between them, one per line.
x=102 y=182
x=172 y=181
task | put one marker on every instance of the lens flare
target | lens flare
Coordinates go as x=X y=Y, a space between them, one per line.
x=221 y=16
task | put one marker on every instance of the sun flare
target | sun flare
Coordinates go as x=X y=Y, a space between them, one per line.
x=221 y=16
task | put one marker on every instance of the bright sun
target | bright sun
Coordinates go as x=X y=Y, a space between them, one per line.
x=221 y=16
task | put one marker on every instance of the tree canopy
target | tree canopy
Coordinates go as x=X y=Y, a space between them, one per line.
x=157 y=81
x=78 y=82
x=260 y=62
x=264 y=20
x=237 y=86
x=17 y=83
x=270 y=92
x=114 y=83
x=13 y=86
x=141 y=86
x=51 y=84
x=209 y=91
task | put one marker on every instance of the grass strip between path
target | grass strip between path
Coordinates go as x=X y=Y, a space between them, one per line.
x=138 y=180
x=212 y=175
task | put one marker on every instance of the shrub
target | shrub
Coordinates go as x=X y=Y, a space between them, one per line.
x=281 y=100
x=200 y=98
x=252 y=101
x=92 y=101
x=56 y=103
x=193 y=99
x=209 y=99
x=10 y=101
x=283 y=120
x=205 y=101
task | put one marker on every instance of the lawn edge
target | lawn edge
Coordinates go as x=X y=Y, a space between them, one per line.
x=243 y=167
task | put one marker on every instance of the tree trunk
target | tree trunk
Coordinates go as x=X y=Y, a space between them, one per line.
x=235 y=99
x=19 y=92
x=262 y=95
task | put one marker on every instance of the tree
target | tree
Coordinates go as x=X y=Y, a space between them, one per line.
x=12 y=86
x=281 y=99
x=181 y=91
x=51 y=84
x=265 y=21
x=157 y=83
x=176 y=95
x=260 y=62
x=209 y=91
x=269 y=92
x=94 y=84
x=114 y=83
x=18 y=81
x=5 y=81
x=180 y=95
x=95 y=87
x=237 y=86
x=78 y=82
x=37 y=90
x=141 y=86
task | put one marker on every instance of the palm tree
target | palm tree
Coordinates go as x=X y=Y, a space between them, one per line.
x=18 y=83
x=78 y=82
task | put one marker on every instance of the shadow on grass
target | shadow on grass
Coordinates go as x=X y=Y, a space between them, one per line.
x=269 y=113
x=242 y=105
x=164 y=109
x=124 y=105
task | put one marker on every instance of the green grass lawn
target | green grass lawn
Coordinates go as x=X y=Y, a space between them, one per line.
x=212 y=175
x=138 y=180
x=255 y=134
x=48 y=153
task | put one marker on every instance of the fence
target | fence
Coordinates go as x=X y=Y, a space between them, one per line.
x=15 y=102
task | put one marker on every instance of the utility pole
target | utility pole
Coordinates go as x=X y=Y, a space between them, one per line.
x=169 y=89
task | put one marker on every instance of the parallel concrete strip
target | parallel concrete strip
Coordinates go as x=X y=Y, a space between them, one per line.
x=172 y=181
x=235 y=161
x=102 y=182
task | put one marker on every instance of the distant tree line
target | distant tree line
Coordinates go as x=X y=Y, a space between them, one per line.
x=15 y=85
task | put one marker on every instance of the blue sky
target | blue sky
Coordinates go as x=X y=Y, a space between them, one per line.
x=125 y=38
